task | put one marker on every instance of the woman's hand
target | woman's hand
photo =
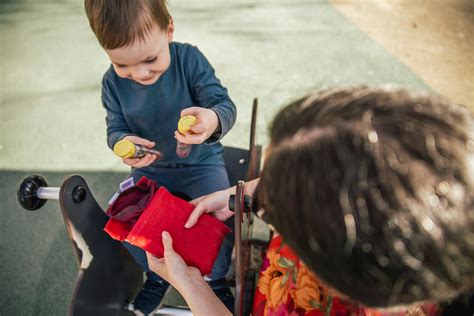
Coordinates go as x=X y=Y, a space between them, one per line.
x=216 y=203
x=206 y=125
x=140 y=162
x=187 y=280
x=172 y=267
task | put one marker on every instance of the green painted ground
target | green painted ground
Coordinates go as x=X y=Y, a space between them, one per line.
x=52 y=122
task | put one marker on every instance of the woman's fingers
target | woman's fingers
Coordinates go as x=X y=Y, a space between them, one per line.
x=156 y=264
x=193 y=218
x=197 y=200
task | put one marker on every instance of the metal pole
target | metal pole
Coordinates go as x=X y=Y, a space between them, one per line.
x=48 y=193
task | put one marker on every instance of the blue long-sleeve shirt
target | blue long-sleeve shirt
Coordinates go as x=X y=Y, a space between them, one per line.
x=152 y=112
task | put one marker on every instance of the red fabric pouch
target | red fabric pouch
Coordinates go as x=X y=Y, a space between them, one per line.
x=125 y=211
x=118 y=230
x=198 y=245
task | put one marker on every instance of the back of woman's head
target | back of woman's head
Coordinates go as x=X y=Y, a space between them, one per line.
x=373 y=188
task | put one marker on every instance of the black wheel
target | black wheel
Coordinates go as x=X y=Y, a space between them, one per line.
x=27 y=192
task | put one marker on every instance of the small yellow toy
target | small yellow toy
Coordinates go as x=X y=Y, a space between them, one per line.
x=127 y=149
x=185 y=123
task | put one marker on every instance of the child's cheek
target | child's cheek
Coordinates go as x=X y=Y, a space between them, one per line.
x=121 y=72
x=164 y=65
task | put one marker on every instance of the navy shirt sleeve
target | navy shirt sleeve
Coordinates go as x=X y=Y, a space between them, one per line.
x=210 y=94
x=117 y=127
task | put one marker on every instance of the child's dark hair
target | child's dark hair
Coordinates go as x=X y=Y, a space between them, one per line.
x=372 y=188
x=118 y=23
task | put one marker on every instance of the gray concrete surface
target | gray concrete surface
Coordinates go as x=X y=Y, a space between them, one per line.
x=52 y=121
x=52 y=67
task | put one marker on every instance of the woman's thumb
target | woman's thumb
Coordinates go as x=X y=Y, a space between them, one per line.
x=167 y=241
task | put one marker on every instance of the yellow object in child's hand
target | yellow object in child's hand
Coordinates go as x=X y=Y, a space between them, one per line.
x=127 y=149
x=185 y=123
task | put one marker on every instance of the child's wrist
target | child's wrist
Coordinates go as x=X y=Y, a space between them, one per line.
x=215 y=123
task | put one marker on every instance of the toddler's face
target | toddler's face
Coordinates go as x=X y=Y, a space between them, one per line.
x=146 y=60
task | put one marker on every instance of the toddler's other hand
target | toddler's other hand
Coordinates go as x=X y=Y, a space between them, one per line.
x=206 y=125
x=140 y=162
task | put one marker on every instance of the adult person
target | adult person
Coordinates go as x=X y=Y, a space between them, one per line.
x=372 y=188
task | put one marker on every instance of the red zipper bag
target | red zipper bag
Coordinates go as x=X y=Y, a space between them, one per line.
x=198 y=246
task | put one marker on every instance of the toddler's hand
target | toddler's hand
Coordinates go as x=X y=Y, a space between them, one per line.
x=140 y=162
x=206 y=124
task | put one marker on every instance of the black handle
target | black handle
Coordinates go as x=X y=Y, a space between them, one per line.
x=247 y=203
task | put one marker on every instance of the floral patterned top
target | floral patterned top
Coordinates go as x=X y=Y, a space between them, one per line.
x=287 y=287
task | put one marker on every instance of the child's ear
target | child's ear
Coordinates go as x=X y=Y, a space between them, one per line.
x=170 y=30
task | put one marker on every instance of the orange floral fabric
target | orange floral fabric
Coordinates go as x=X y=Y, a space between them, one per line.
x=287 y=287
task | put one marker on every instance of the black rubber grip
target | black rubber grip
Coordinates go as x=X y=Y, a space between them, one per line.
x=247 y=203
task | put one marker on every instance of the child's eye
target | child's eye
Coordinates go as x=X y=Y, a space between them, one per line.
x=120 y=66
x=151 y=61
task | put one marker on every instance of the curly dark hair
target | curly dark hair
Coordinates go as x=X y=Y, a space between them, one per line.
x=373 y=189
